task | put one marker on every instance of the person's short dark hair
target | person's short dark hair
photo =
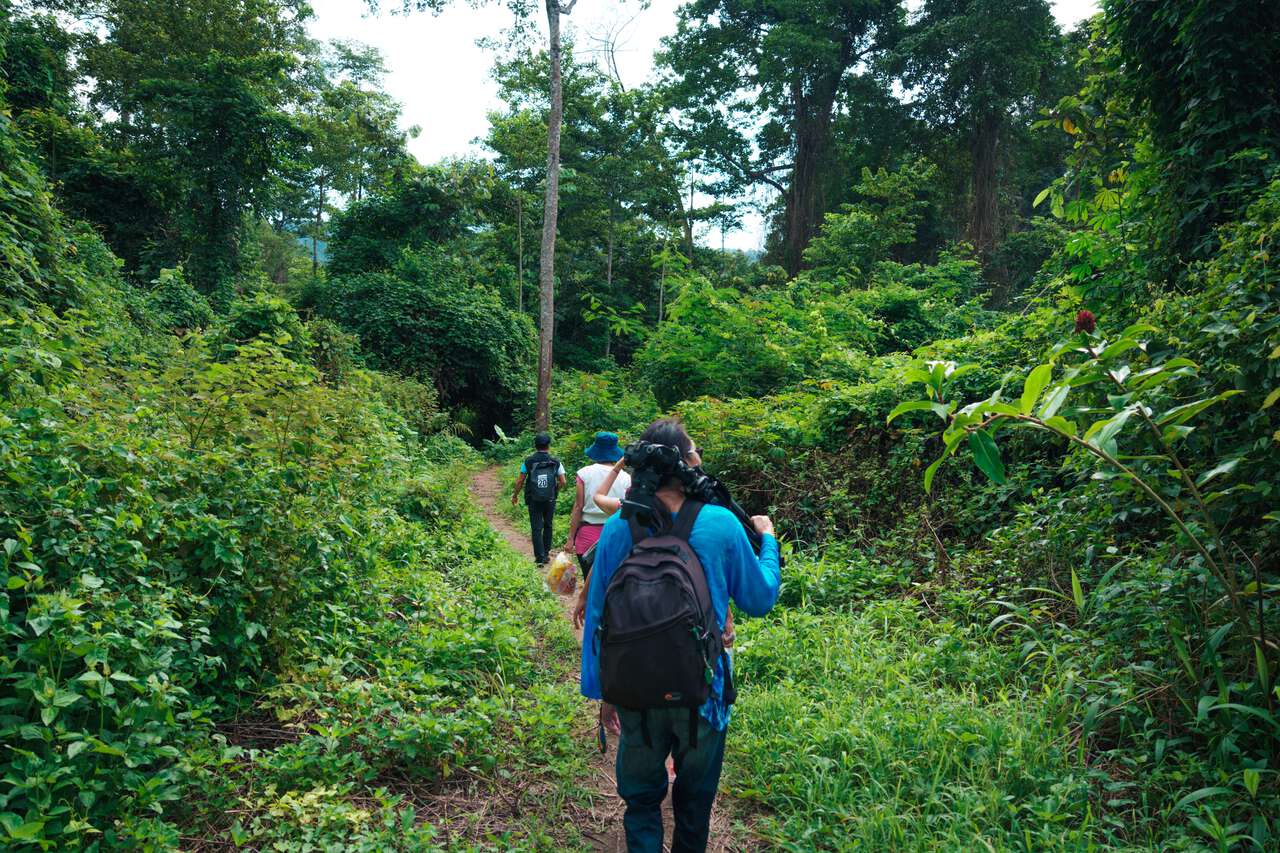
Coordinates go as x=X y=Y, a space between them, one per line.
x=669 y=431
x=541 y=441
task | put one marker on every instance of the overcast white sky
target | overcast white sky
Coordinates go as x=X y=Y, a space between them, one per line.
x=443 y=80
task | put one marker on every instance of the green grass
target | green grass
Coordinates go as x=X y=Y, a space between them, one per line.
x=887 y=728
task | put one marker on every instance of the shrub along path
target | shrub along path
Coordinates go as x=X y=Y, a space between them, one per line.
x=606 y=813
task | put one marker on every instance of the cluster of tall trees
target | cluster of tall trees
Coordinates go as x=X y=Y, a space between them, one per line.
x=214 y=134
x=176 y=128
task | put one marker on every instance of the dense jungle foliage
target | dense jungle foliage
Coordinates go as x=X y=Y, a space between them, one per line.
x=1007 y=377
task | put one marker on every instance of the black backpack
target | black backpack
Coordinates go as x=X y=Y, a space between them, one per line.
x=658 y=639
x=541 y=471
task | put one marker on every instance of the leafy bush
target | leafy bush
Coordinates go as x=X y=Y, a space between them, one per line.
x=890 y=210
x=431 y=317
x=417 y=403
x=724 y=343
x=269 y=318
x=176 y=304
x=335 y=353
x=417 y=215
x=194 y=545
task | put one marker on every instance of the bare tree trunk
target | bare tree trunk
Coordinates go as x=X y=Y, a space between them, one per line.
x=662 y=286
x=608 y=284
x=804 y=196
x=550 y=212
x=812 y=112
x=520 y=252
x=688 y=220
x=984 y=221
x=315 y=234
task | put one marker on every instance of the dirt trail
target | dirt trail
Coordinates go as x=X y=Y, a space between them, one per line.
x=604 y=823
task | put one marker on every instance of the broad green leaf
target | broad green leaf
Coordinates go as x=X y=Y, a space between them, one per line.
x=1059 y=424
x=1103 y=432
x=1224 y=467
x=931 y=471
x=1271 y=399
x=1077 y=592
x=1197 y=796
x=65 y=698
x=1138 y=329
x=1251 y=779
x=909 y=406
x=986 y=455
x=1036 y=380
x=77 y=747
x=916 y=373
x=999 y=408
x=1053 y=401
x=938 y=371
x=1182 y=414
x=27 y=831
x=1120 y=346
x=1041 y=196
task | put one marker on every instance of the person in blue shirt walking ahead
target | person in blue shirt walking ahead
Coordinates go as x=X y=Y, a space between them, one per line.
x=695 y=741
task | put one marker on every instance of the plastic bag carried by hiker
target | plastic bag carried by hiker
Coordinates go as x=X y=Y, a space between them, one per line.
x=562 y=574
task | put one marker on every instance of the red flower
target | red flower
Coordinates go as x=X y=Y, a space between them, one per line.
x=1085 y=322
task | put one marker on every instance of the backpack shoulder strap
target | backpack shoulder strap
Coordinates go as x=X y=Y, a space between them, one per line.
x=638 y=533
x=683 y=528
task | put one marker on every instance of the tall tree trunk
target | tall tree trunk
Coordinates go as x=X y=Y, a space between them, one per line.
x=804 y=207
x=550 y=212
x=315 y=231
x=662 y=286
x=688 y=220
x=608 y=285
x=520 y=253
x=984 y=221
x=812 y=116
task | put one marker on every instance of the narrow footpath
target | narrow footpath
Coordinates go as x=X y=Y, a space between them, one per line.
x=604 y=826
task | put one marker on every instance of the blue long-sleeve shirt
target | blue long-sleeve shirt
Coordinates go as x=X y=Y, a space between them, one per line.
x=732 y=570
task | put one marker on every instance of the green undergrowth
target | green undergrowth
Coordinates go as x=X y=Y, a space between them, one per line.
x=886 y=728
x=444 y=693
x=243 y=603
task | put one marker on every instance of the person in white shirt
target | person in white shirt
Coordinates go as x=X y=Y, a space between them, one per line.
x=588 y=517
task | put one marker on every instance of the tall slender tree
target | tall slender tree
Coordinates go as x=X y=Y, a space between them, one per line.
x=550 y=215
x=551 y=199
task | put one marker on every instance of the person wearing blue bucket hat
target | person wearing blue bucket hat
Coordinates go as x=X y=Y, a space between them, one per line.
x=588 y=519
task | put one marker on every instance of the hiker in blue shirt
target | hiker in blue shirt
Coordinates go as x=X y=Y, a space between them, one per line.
x=733 y=571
